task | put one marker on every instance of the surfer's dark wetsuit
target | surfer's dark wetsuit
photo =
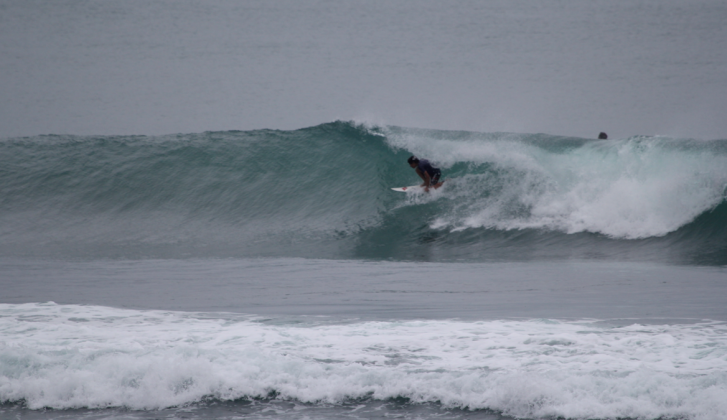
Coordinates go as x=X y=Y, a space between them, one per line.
x=434 y=173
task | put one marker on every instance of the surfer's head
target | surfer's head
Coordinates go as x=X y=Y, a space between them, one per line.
x=602 y=136
x=413 y=161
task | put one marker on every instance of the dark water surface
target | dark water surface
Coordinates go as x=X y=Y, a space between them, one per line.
x=378 y=290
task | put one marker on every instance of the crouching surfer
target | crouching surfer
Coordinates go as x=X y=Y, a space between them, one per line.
x=426 y=172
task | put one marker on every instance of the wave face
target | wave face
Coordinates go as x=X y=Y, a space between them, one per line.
x=324 y=192
x=69 y=356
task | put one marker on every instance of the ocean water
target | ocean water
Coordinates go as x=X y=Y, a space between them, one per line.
x=274 y=274
x=255 y=264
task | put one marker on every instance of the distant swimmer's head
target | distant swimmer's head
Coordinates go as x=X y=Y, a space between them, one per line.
x=413 y=161
x=602 y=136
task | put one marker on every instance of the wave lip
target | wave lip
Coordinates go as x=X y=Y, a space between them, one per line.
x=324 y=192
x=625 y=189
x=67 y=356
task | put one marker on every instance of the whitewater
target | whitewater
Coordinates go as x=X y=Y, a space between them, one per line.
x=86 y=356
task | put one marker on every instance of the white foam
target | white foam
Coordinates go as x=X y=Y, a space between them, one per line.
x=633 y=188
x=64 y=356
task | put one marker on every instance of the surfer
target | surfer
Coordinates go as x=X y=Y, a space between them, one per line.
x=427 y=172
x=602 y=136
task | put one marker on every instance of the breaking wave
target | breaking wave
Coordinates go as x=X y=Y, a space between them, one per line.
x=324 y=192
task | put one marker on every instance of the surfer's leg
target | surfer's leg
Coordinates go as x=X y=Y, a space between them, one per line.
x=435 y=181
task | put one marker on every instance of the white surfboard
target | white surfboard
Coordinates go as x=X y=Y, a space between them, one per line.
x=417 y=187
x=405 y=189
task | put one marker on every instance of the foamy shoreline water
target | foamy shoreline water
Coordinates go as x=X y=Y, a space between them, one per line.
x=67 y=356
